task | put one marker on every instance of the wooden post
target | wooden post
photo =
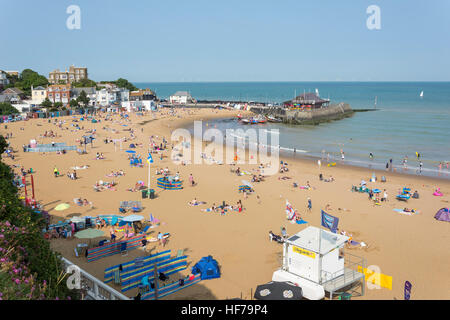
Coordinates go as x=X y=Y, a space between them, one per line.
x=32 y=187
x=156 y=281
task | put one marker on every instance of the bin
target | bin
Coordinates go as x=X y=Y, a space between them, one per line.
x=144 y=194
x=345 y=296
x=152 y=194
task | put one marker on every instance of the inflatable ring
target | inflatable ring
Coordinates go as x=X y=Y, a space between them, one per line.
x=333 y=164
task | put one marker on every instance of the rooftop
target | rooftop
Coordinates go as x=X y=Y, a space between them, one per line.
x=181 y=94
x=309 y=239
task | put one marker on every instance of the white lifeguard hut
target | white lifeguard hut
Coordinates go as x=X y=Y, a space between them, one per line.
x=313 y=259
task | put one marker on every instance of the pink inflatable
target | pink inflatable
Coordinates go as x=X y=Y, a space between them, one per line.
x=438 y=193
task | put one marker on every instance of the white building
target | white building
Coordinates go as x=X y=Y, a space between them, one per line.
x=3 y=79
x=313 y=259
x=108 y=96
x=38 y=94
x=143 y=105
x=181 y=97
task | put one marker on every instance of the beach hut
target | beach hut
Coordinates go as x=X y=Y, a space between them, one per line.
x=313 y=259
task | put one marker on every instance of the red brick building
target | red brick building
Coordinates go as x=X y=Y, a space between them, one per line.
x=59 y=93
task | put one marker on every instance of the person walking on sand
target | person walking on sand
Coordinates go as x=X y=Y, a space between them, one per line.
x=420 y=167
x=385 y=196
x=191 y=180
x=309 y=204
x=319 y=163
x=113 y=234
x=56 y=172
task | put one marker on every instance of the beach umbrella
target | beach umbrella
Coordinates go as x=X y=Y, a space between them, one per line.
x=62 y=206
x=89 y=234
x=246 y=183
x=130 y=151
x=278 y=291
x=133 y=218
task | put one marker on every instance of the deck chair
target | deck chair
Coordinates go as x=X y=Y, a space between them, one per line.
x=117 y=277
x=383 y=179
x=144 y=231
x=123 y=249
x=180 y=253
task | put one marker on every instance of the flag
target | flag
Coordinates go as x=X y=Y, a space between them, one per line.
x=329 y=221
x=408 y=287
x=149 y=159
x=289 y=211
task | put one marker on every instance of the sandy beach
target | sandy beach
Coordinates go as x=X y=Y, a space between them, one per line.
x=407 y=247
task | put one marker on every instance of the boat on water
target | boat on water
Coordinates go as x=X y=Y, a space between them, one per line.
x=253 y=120
x=273 y=119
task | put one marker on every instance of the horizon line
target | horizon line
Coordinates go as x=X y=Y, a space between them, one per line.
x=288 y=81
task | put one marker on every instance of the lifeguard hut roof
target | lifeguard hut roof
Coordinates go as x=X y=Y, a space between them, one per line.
x=311 y=237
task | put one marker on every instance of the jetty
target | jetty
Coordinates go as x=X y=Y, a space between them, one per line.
x=306 y=116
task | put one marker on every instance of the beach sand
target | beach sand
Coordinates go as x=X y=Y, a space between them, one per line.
x=414 y=248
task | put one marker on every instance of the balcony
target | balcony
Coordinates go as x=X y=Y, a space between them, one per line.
x=347 y=278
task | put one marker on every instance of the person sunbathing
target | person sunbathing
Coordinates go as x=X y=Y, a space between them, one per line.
x=194 y=202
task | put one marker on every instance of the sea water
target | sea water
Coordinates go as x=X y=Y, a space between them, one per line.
x=403 y=124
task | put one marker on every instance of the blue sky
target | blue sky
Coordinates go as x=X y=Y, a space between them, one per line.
x=246 y=40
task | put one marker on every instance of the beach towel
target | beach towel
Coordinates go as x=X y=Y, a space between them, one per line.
x=301 y=221
x=197 y=204
x=404 y=212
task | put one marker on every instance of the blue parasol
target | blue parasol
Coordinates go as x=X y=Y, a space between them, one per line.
x=130 y=151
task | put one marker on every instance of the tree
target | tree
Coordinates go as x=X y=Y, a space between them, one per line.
x=84 y=83
x=83 y=98
x=73 y=103
x=122 y=83
x=6 y=108
x=58 y=105
x=46 y=103
x=3 y=144
x=30 y=78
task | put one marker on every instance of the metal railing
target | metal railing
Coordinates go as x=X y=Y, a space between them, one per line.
x=94 y=288
x=351 y=263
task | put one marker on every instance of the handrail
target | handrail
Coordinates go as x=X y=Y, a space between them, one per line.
x=94 y=291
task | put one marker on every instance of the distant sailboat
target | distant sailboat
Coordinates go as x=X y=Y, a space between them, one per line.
x=421 y=94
